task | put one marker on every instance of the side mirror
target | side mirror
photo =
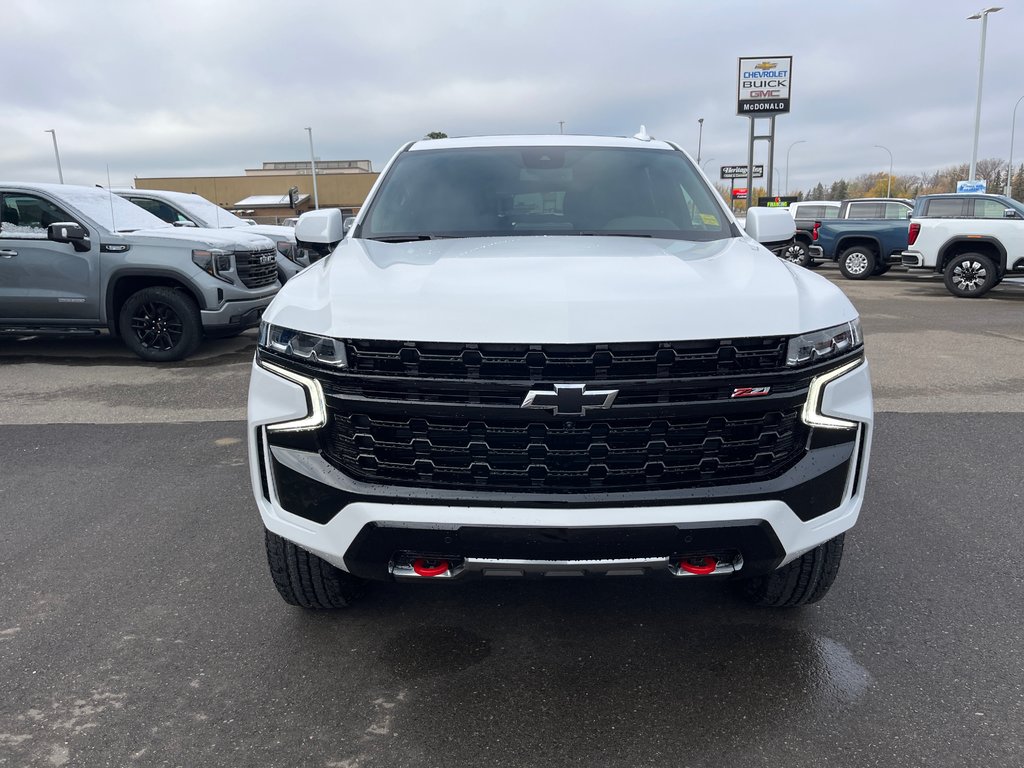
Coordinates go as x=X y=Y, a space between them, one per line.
x=349 y=223
x=1009 y=213
x=320 y=227
x=182 y=223
x=770 y=225
x=69 y=232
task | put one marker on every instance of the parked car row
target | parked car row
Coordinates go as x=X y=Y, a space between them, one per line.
x=973 y=240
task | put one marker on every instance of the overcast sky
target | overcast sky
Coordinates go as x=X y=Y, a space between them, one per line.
x=211 y=87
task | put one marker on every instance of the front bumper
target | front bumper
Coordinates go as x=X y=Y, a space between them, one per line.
x=235 y=315
x=360 y=527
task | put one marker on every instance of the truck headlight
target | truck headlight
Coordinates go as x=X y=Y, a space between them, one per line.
x=820 y=345
x=214 y=262
x=308 y=347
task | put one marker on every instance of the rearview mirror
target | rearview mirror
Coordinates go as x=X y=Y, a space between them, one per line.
x=69 y=232
x=1009 y=213
x=770 y=225
x=320 y=227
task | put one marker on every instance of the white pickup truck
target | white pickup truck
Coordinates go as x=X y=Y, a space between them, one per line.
x=973 y=240
x=555 y=356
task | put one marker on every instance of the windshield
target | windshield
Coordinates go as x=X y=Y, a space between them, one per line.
x=207 y=214
x=498 y=191
x=110 y=211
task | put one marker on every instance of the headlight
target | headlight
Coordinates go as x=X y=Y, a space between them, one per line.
x=308 y=347
x=821 y=345
x=214 y=262
x=288 y=250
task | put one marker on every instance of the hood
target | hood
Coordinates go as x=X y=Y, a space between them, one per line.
x=273 y=231
x=557 y=290
x=225 y=239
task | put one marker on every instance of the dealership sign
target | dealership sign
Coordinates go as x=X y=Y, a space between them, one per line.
x=740 y=171
x=764 y=84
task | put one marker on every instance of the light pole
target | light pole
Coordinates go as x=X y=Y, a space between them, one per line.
x=983 y=15
x=700 y=136
x=312 y=168
x=888 y=189
x=1013 y=127
x=801 y=141
x=56 y=153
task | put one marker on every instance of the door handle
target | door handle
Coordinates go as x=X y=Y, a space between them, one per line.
x=8 y=254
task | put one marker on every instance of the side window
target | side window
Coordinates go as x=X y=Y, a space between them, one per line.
x=988 y=209
x=27 y=216
x=831 y=212
x=812 y=211
x=864 y=211
x=944 y=208
x=160 y=209
x=896 y=211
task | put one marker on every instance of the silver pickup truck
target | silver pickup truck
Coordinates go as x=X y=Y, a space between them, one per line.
x=80 y=259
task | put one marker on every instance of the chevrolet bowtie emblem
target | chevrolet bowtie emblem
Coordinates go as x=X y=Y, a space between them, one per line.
x=570 y=399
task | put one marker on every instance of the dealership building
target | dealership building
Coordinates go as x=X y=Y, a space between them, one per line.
x=280 y=189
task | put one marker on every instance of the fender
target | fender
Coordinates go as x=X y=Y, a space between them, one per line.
x=841 y=244
x=170 y=275
x=958 y=239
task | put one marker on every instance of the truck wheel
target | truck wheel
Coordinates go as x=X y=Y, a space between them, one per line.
x=805 y=580
x=161 y=324
x=970 y=275
x=857 y=263
x=798 y=253
x=305 y=580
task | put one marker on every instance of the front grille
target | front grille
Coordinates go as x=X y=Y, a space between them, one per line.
x=252 y=272
x=519 y=452
x=567 y=362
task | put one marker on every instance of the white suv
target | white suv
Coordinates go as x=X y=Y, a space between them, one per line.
x=554 y=355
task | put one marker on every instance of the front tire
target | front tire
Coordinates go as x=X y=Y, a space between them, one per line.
x=805 y=580
x=161 y=324
x=307 y=581
x=857 y=263
x=970 y=275
x=798 y=253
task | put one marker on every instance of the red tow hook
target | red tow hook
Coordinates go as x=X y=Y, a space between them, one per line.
x=707 y=566
x=423 y=567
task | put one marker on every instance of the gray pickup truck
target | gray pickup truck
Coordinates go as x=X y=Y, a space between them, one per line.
x=80 y=259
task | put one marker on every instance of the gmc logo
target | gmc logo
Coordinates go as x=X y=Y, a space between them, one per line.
x=266 y=258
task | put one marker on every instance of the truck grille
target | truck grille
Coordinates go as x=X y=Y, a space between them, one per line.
x=255 y=269
x=566 y=362
x=525 y=453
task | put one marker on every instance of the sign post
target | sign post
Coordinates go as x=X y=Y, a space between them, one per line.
x=762 y=91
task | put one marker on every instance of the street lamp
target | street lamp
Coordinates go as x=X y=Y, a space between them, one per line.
x=983 y=15
x=801 y=141
x=1013 y=127
x=700 y=136
x=56 y=153
x=888 y=189
x=312 y=168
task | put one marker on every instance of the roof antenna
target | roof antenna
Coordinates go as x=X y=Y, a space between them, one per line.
x=110 y=195
x=642 y=135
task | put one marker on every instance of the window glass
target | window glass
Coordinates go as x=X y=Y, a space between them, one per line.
x=988 y=209
x=865 y=211
x=160 y=209
x=477 y=192
x=811 y=211
x=945 y=208
x=896 y=211
x=831 y=212
x=28 y=216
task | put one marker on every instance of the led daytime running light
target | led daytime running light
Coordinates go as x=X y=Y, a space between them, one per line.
x=811 y=414
x=317 y=416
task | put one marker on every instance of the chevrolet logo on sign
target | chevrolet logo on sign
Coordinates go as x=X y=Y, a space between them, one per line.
x=767 y=65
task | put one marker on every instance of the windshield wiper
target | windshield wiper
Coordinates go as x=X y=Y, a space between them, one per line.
x=406 y=238
x=610 y=233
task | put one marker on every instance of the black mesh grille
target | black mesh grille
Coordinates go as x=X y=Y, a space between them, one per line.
x=524 y=453
x=256 y=269
x=567 y=362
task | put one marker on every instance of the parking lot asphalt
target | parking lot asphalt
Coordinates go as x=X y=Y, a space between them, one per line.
x=139 y=626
